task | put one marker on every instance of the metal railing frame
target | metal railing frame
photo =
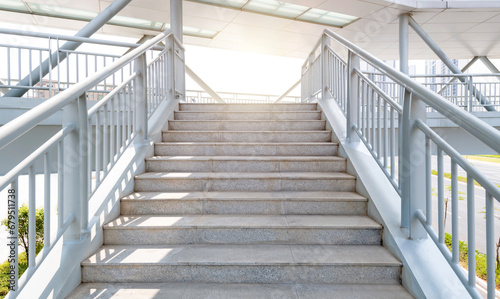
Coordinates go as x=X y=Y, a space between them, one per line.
x=104 y=131
x=371 y=116
x=32 y=55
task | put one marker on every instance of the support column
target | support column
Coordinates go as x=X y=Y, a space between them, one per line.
x=403 y=43
x=412 y=166
x=89 y=29
x=176 y=18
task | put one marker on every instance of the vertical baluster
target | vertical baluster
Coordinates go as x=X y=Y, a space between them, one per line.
x=30 y=68
x=440 y=174
x=77 y=68
x=9 y=75
x=454 y=212
x=471 y=230
x=60 y=182
x=98 y=152
x=112 y=140
x=490 y=245
x=67 y=70
x=46 y=202
x=31 y=221
x=90 y=144
x=19 y=59
x=379 y=127
x=119 y=122
x=385 y=141
x=105 y=140
x=428 y=181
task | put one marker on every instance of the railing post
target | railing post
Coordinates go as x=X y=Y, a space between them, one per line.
x=140 y=97
x=72 y=172
x=324 y=68
x=352 y=96
x=171 y=66
x=84 y=176
x=413 y=174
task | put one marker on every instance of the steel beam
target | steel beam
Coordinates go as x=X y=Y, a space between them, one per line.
x=487 y=62
x=281 y=97
x=89 y=29
x=204 y=85
x=465 y=68
x=447 y=61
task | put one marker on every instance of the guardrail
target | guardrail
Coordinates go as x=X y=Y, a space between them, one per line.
x=91 y=141
x=393 y=128
x=199 y=96
x=23 y=62
x=457 y=92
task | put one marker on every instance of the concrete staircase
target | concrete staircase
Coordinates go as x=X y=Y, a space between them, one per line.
x=243 y=200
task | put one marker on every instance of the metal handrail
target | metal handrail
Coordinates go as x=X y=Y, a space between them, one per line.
x=487 y=134
x=17 y=127
x=371 y=116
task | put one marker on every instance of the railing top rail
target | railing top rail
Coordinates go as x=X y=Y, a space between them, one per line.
x=487 y=134
x=72 y=38
x=17 y=127
x=441 y=75
x=456 y=75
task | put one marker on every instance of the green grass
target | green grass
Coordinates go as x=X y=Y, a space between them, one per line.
x=460 y=178
x=463 y=258
x=5 y=269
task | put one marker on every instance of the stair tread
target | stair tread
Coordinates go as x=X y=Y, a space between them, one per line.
x=239 y=290
x=246 y=158
x=244 y=221
x=234 y=255
x=242 y=132
x=244 y=143
x=244 y=175
x=281 y=195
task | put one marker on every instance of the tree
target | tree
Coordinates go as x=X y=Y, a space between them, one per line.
x=23 y=226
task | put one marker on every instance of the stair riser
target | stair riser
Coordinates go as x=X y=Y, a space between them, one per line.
x=352 y=274
x=248 y=107
x=245 y=166
x=178 y=185
x=245 y=150
x=242 y=236
x=179 y=136
x=313 y=115
x=247 y=126
x=240 y=207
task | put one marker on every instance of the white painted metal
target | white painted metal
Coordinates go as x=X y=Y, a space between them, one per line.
x=76 y=141
x=414 y=143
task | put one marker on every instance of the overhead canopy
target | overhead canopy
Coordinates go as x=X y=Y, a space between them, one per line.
x=463 y=29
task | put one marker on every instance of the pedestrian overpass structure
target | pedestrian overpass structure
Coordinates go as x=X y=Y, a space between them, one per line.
x=151 y=190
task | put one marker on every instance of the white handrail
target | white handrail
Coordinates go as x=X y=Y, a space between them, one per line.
x=487 y=134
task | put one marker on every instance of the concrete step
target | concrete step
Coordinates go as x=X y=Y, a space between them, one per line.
x=247 y=115
x=242 y=229
x=248 y=107
x=249 y=125
x=187 y=290
x=245 y=164
x=244 y=181
x=353 y=264
x=247 y=136
x=235 y=203
x=246 y=149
